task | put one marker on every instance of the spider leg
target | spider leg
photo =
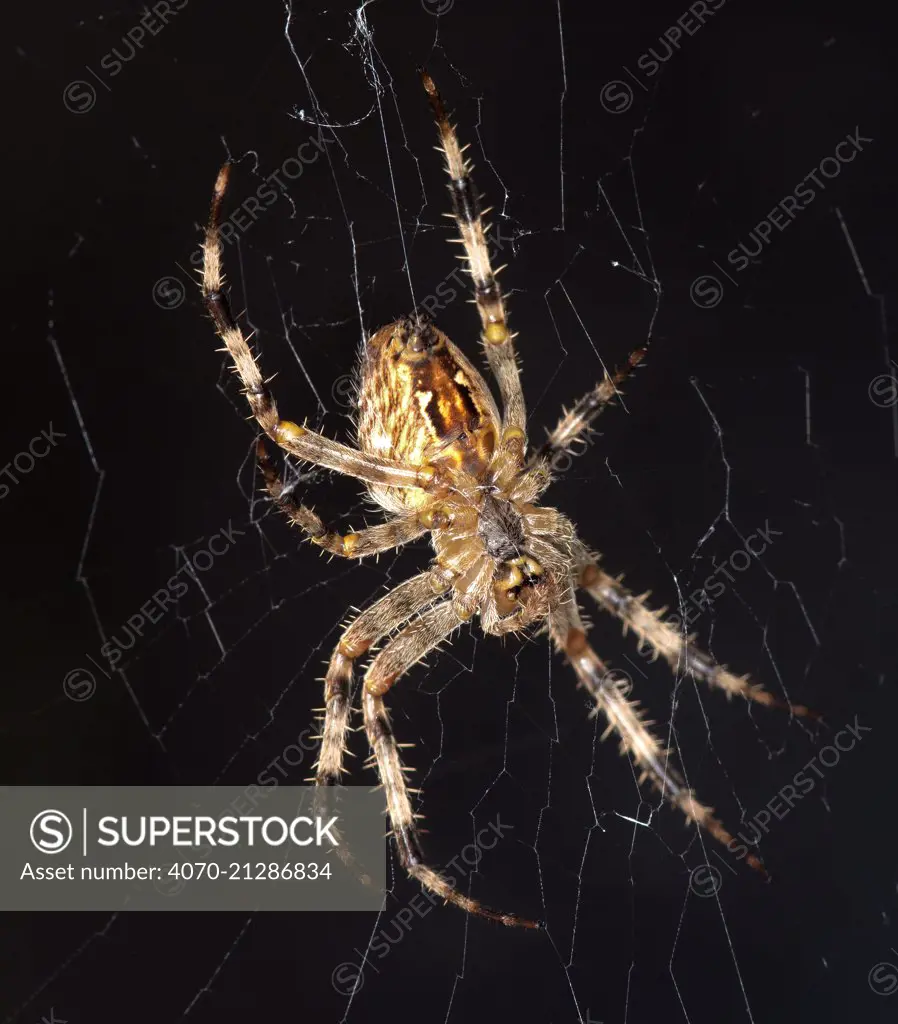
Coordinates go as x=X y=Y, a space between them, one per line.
x=496 y=337
x=299 y=441
x=625 y=718
x=576 y=422
x=405 y=650
x=369 y=541
x=378 y=620
x=678 y=651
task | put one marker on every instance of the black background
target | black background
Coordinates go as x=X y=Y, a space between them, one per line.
x=756 y=410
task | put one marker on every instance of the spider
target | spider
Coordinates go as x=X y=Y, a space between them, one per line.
x=439 y=458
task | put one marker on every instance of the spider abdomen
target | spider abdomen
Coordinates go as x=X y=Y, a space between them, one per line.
x=423 y=402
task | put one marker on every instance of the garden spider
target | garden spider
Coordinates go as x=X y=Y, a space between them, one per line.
x=436 y=454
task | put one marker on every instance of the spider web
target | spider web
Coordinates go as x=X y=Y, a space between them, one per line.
x=742 y=424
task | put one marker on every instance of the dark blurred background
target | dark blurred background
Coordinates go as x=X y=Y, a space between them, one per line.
x=622 y=170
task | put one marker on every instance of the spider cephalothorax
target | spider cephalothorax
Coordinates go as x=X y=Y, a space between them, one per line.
x=436 y=453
